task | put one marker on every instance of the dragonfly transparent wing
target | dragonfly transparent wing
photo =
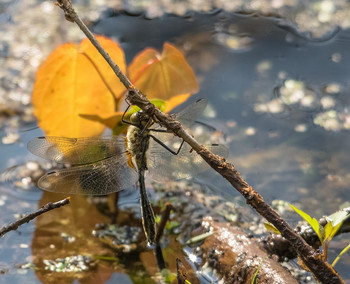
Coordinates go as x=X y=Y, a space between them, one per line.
x=104 y=177
x=76 y=151
x=164 y=166
x=187 y=116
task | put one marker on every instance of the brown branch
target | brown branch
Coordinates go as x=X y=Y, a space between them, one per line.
x=72 y=16
x=163 y=220
x=47 y=207
x=238 y=263
x=322 y=270
x=181 y=272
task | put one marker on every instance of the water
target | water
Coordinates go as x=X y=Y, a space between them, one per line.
x=281 y=99
x=274 y=91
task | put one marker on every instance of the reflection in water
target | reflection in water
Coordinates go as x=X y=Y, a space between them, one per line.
x=280 y=141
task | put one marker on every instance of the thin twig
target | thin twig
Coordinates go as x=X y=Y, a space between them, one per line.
x=163 y=220
x=322 y=270
x=72 y=16
x=47 y=207
x=160 y=229
x=181 y=272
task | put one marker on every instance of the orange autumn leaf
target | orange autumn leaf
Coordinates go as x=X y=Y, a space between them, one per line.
x=162 y=76
x=68 y=84
x=165 y=76
x=174 y=102
x=110 y=120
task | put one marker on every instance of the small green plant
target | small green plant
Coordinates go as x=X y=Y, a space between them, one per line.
x=199 y=238
x=255 y=277
x=341 y=253
x=168 y=276
x=326 y=233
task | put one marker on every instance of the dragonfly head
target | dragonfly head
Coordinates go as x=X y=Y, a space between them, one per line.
x=140 y=119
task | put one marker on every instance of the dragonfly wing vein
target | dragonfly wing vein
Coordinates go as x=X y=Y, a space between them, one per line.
x=100 y=178
x=76 y=151
x=164 y=166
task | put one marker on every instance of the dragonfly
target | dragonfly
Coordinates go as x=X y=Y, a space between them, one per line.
x=103 y=165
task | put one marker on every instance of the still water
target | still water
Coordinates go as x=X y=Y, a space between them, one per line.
x=280 y=96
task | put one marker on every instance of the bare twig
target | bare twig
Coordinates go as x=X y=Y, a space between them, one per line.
x=165 y=217
x=322 y=270
x=47 y=207
x=160 y=230
x=181 y=272
x=72 y=16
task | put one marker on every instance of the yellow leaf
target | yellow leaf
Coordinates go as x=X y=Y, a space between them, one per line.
x=271 y=228
x=108 y=120
x=312 y=222
x=162 y=76
x=68 y=84
x=175 y=101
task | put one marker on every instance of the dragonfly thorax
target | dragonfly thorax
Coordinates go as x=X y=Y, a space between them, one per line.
x=138 y=139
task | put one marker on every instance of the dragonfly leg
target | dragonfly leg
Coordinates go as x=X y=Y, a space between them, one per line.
x=123 y=119
x=159 y=130
x=148 y=124
x=166 y=147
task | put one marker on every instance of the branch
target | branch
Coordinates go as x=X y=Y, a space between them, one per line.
x=322 y=270
x=245 y=258
x=47 y=207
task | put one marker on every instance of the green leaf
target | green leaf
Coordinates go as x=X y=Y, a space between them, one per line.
x=334 y=223
x=157 y=219
x=329 y=234
x=312 y=222
x=271 y=228
x=172 y=225
x=339 y=255
x=199 y=238
x=160 y=104
x=168 y=275
x=106 y=258
x=328 y=229
x=257 y=271
x=338 y=217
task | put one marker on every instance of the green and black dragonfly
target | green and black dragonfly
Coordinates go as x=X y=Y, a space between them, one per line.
x=103 y=165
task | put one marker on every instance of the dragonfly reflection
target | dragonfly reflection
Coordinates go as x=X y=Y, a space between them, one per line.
x=103 y=165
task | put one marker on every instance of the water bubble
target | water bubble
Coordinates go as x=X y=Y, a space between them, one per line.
x=336 y=57
x=327 y=102
x=300 y=128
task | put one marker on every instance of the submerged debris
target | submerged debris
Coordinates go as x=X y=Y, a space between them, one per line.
x=125 y=235
x=24 y=176
x=76 y=263
x=329 y=112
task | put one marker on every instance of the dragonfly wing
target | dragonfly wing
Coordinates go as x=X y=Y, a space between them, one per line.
x=104 y=177
x=76 y=151
x=188 y=116
x=164 y=166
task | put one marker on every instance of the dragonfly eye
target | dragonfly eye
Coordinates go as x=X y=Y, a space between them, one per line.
x=135 y=118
